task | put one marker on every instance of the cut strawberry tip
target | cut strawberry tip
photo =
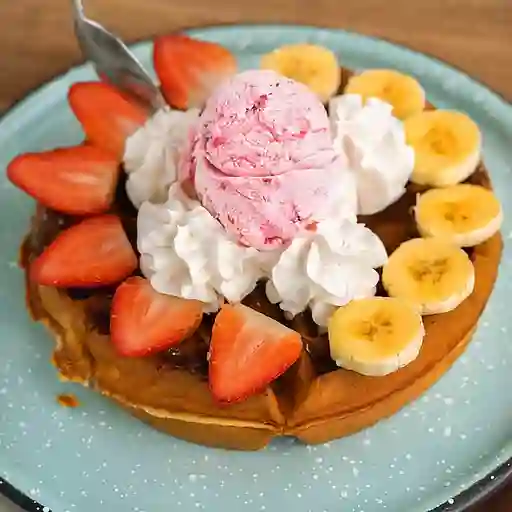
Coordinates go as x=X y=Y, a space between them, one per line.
x=248 y=351
x=144 y=321
x=78 y=180
x=108 y=116
x=189 y=69
x=96 y=252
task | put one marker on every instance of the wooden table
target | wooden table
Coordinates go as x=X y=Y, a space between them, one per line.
x=36 y=38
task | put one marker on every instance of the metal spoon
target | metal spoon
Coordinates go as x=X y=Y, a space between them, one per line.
x=113 y=61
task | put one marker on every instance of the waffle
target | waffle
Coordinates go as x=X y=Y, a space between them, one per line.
x=314 y=401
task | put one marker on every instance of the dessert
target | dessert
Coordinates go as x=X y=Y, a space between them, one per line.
x=258 y=264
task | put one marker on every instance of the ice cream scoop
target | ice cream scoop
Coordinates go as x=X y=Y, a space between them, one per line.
x=261 y=160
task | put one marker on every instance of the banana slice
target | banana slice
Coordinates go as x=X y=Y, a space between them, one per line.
x=447 y=147
x=432 y=275
x=465 y=215
x=375 y=336
x=313 y=65
x=402 y=91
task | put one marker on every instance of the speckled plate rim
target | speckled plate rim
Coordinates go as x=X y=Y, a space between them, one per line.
x=496 y=474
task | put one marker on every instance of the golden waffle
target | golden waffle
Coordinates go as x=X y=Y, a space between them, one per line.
x=314 y=401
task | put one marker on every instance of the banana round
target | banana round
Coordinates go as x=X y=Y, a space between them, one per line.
x=432 y=275
x=447 y=147
x=465 y=215
x=313 y=65
x=403 y=92
x=375 y=336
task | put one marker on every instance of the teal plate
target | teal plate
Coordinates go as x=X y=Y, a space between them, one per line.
x=96 y=457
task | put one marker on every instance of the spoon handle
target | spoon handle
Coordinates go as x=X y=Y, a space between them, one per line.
x=78 y=8
x=113 y=61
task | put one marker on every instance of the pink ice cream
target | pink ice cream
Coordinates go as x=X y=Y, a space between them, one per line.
x=262 y=161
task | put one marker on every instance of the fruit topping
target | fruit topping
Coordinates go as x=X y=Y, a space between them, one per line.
x=402 y=91
x=144 y=321
x=431 y=274
x=313 y=65
x=77 y=180
x=465 y=215
x=189 y=69
x=107 y=116
x=447 y=147
x=95 y=252
x=248 y=351
x=375 y=336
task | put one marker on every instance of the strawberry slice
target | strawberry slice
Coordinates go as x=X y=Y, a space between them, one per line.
x=95 y=252
x=189 y=69
x=144 y=321
x=248 y=350
x=107 y=116
x=78 y=180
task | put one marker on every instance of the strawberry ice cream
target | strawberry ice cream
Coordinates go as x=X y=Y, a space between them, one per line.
x=261 y=160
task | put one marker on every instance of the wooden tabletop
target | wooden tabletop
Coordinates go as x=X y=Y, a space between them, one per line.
x=36 y=38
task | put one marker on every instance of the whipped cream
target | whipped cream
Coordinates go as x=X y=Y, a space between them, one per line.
x=327 y=268
x=185 y=252
x=373 y=143
x=152 y=154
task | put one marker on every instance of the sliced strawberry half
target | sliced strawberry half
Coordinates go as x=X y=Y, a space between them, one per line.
x=248 y=351
x=144 y=321
x=107 y=116
x=95 y=252
x=78 y=180
x=189 y=69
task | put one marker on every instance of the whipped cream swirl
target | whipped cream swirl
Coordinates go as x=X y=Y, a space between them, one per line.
x=185 y=252
x=152 y=154
x=373 y=143
x=327 y=268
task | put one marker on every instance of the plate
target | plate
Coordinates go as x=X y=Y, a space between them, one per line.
x=96 y=457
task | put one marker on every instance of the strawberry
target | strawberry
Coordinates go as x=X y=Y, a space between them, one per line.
x=189 y=69
x=107 y=116
x=95 y=252
x=78 y=180
x=144 y=321
x=248 y=350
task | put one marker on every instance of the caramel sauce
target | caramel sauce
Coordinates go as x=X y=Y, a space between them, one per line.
x=68 y=400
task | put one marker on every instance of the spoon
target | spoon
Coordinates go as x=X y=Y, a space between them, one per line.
x=113 y=61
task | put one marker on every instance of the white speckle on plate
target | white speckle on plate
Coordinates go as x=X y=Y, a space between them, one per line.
x=448 y=401
x=355 y=471
x=447 y=432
